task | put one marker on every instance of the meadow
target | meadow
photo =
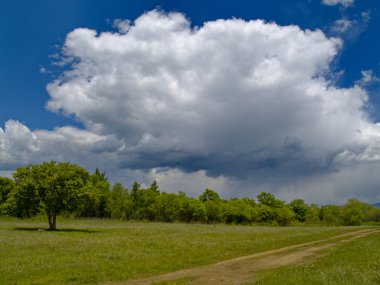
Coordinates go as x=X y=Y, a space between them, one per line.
x=94 y=251
x=354 y=263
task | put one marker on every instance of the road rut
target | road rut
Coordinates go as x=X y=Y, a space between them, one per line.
x=241 y=270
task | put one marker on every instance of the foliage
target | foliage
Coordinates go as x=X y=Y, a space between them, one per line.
x=269 y=200
x=331 y=215
x=54 y=186
x=94 y=197
x=300 y=209
x=51 y=188
x=209 y=195
x=283 y=215
x=6 y=186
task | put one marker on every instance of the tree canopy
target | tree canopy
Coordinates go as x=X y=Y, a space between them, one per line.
x=52 y=188
x=57 y=187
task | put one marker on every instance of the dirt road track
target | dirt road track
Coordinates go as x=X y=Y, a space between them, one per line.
x=241 y=270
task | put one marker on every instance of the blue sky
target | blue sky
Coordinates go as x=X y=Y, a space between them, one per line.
x=32 y=37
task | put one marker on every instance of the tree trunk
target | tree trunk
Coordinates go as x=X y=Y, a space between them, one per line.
x=52 y=217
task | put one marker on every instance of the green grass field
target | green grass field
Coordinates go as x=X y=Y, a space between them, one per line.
x=95 y=251
x=355 y=263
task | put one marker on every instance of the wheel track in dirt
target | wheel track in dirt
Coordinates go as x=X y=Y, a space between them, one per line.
x=241 y=270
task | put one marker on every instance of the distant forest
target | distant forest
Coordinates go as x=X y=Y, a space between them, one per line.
x=52 y=189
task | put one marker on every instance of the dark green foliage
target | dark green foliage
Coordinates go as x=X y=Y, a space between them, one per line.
x=209 y=195
x=6 y=187
x=95 y=196
x=265 y=214
x=62 y=188
x=283 y=215
x=50 y=186
x=331 y=215
x=355 y=212
x=300 y=208
x=120 y=203
x=213 y=211
x=23 y=200
x=269 y=199
x=312 y=215
x=239 y=211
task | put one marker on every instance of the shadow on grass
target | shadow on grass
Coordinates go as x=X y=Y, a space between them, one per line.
x=36 y=229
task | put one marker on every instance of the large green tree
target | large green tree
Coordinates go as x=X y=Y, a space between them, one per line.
x=58 y=186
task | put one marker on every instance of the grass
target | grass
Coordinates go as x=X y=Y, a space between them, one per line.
x=95 y=251
x=355 y=263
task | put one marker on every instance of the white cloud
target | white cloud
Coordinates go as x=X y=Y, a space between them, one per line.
x=122 y=25
x=350 y=29
x=242 y=106
x=193 y=183
x=368 y=77
x=19 y=145
x=342 y=25
x=344 y=3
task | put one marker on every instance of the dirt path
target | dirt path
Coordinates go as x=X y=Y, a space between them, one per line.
x=241 y=270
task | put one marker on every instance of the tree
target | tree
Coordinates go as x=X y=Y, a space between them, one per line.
x=352 y=213
x=312 y=215
x=199 y=210
x=265 y=213
x=283 y=215
x=6 y=186
x=24 y=200
x=95 y=196
x=167 y=207
x=209 y=195
x=58 y=186
x=144 y=207
x=213 y=211
x=238 y=211
x=154 y=187
x=120 y=202
x=331 y=215
x=269 y=199
x=300 y=208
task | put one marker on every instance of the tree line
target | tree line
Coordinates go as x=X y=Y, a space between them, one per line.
x=52 y=189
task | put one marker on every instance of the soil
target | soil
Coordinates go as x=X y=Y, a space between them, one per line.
x=242 y=270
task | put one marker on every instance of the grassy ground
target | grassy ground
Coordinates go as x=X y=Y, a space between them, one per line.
x=355 y=263
x=91 y=251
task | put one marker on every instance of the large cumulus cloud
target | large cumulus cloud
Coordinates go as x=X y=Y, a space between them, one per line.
x=244 y=101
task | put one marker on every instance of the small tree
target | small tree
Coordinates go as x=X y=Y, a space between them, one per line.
x=353 y=212
x=209 y=195
x=95 y=197
x=283 y=215
x=270 y=200
x=120 y=203
x=58 y=186
x=300 y=208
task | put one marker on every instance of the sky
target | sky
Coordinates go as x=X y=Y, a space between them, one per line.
x=238 y=96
